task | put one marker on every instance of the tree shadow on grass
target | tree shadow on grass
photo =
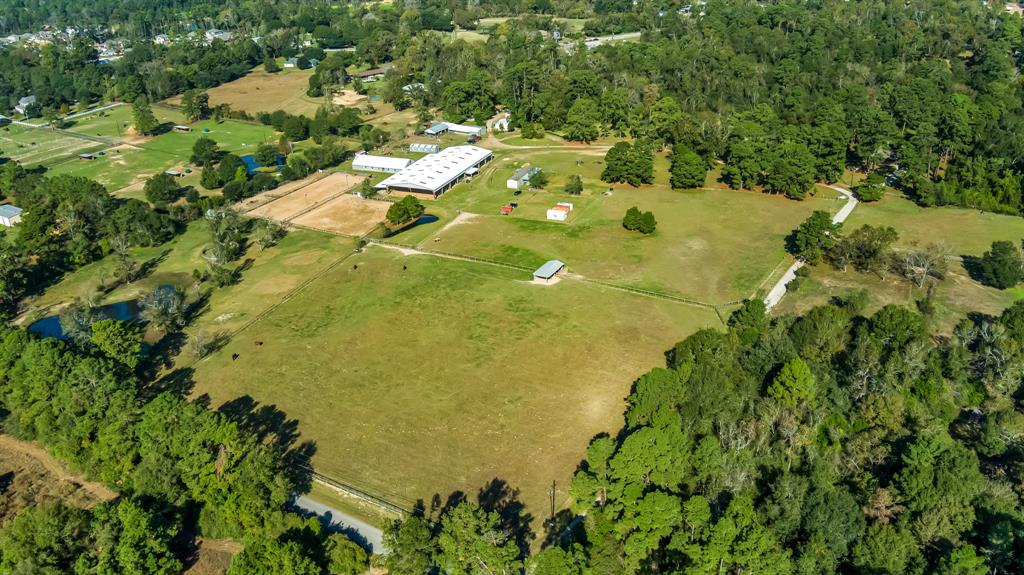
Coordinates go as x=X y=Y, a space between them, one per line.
x=274 y=428
x=501 y=498
x=972 y=265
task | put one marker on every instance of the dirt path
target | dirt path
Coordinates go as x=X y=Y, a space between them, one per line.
x=56 y=467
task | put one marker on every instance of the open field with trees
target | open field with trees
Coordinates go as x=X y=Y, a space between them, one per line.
x=118 y=122
x=462 y=372
x=259 y=91
x=34 y=146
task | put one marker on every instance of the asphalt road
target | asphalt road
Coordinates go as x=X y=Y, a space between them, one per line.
x=359 y=530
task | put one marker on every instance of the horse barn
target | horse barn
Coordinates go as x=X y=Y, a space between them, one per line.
x=389 y=165
x=437 y=173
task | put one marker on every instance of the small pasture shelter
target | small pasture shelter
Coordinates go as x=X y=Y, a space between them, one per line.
x=521 y=177
x=388 y=165
x=9 y=215
x=86 y=156
x=371 y=75
x=424 y=148
x=505 y=210
x=547 y=273
x=437 y=173
x=182 y=129
x=175 y=174
x=560 y=212
x=438 y=128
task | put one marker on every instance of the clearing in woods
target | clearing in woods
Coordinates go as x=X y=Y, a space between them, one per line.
x=303 y=198
x=30 y=476
x=259 y=91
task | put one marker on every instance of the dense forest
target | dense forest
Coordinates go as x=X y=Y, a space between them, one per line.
x=828 y=443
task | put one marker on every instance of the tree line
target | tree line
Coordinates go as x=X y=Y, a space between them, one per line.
x=832 y=442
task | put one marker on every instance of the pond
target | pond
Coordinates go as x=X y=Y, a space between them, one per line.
x=424 y=219
x=50 y=326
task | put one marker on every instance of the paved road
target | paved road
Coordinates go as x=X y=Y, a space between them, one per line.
x=341 y=521
x=779 y=290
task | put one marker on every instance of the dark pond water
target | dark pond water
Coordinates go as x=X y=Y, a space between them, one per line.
x=424 y=219
x=50 y=326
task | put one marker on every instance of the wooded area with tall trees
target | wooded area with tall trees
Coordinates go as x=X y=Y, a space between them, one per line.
x=827 y=443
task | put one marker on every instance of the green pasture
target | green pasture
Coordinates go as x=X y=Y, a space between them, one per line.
x=269 y=276
x=124 y=168
x=116 y=122
x=966 y=231
x=420 y=375
x=711 y=245
x=35 y=146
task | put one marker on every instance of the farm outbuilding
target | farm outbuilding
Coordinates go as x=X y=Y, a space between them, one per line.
x=371 y=75
x=560 y=212
x=9 y=215
x=438 y=128
x=521 y=177
x=547 y=273
x=86 y=156
x=435 y=174
x=386 y=164
x=424 y=148
x=182 y=129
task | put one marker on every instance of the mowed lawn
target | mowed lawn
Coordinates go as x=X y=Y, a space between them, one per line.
x=714 y=246
x=420 y=375
x=34 y=146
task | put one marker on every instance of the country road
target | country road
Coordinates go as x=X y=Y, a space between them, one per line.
x=779 y=290
x=361 y=531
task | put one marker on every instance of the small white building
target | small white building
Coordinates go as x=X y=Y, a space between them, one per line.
x=217 y=34
x=9 y=215
x=367 y=163
x=560 y=212
x=162 y=39
x=424 y=148
x=439 y=128
x=521 y=177
x=23 y=104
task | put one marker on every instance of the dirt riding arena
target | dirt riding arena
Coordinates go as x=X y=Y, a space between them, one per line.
x=307 y=197
x=349 y=215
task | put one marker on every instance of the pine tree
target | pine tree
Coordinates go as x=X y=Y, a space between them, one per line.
x=144 y=119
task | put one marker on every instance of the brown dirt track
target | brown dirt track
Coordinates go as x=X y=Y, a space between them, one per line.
x=306 y=197
x=348 y=215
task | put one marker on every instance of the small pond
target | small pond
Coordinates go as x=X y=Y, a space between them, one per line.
x=50 y=326
x=424 y=219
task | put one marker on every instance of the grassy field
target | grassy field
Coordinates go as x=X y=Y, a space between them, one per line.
x=128 y=166
x=418 y=375
x=734 y=239
x=259 y=91
x=34 y=146
x=117 y=122
x=967 y=232
x=272 y=274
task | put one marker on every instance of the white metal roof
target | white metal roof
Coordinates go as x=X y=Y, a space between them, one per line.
x=433 y=172
x=549 y=269
x=368 y=162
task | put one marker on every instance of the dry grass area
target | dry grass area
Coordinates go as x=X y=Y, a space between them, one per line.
x=348 y=98
x=347 y=215
x=306 y=197
x=30 y=476
x=259 y=91
x=213 y=557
